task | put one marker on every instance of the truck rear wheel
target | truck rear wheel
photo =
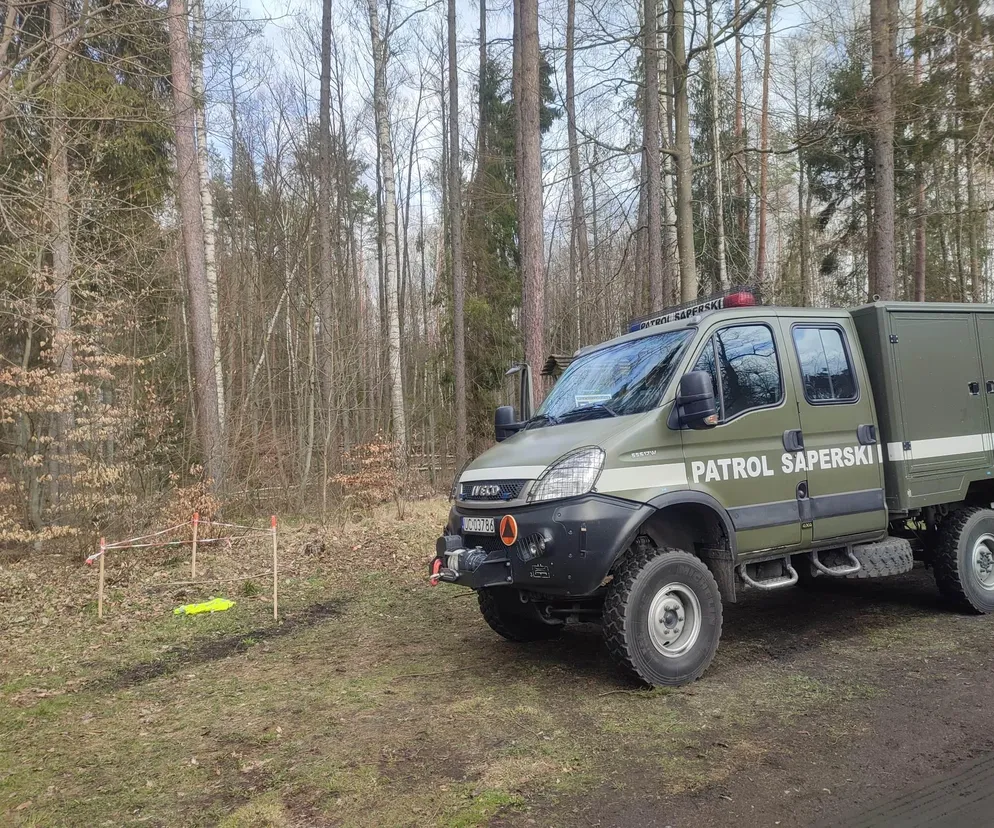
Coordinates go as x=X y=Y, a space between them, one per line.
x=507 y=616
x=963 y=559
x=662 y=616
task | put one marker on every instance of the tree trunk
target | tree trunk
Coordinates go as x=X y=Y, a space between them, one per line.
x=920 y=218
x=671 y=253
x=516 y=107
x=719 y=196
x=651 y=142
x=764 y=140
x=802 y=216
x=957 y=162
x=871 y=227
x=641 y=239
x=481 y=124
x=530 y=186
x=883 y=34
x=455 y=236
x=389 y=209
x=684 y=159
x=192 y=218
x=583 y=283
x=326 y=248
x=741 y=212
x=973 y=235
x=970 y=41
x=603 y=325
x=58 y=171
x=206 y=196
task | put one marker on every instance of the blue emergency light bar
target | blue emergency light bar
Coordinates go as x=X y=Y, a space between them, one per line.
x=739 y=297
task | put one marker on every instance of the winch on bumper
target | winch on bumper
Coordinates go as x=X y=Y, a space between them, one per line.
x=564 y=547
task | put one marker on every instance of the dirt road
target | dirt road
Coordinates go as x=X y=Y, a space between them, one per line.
x=927 y=675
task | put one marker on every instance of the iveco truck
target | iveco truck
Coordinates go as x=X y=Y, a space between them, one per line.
x=726 y=447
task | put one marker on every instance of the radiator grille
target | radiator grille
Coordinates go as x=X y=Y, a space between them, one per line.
x=491 y=490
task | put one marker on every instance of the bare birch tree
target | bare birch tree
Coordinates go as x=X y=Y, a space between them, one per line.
x=206 y=196
x=192 y=217
x=719 y=196
x=576 y=183
x=456 y=244
x=762 y=206
x=326 y=251
x=651 y=140
x=920 y=206
x=388 y=209
x=883 y=26
x=59 y=213
x=683 y=152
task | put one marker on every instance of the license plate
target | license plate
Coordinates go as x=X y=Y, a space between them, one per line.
x=478 y=526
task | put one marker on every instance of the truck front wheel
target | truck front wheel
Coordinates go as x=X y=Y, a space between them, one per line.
x=662 y=616
x=963 y=559
x=507 y=616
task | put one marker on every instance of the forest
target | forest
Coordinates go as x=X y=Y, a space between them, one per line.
x=282 y=257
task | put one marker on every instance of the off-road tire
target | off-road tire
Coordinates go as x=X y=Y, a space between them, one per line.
x=891 y=556
x=952 y=559
x=638 y=578
x=508 y=617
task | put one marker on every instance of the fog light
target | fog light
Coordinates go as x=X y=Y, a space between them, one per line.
x=532 y=547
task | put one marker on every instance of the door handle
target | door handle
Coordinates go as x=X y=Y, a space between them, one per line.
x=793 y=440
x=867 y=435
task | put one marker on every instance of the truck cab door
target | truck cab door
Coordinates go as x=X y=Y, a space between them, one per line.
x=842 y=455
x=740 y=462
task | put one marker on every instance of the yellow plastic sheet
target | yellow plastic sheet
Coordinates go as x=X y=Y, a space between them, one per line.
x=214 y=605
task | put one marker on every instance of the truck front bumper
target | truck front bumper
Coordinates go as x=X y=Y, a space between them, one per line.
x=564 y=547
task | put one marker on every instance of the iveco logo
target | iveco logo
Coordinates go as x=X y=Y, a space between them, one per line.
x=486 y=490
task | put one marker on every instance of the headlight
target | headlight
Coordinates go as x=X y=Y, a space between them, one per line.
x=571 y=475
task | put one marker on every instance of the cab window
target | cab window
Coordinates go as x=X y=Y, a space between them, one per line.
x=826 y=370
x=748 y=367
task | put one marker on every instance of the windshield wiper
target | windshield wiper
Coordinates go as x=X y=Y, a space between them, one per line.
x=541 y=419
x=583 y=410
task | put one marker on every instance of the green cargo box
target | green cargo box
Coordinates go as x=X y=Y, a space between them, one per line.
x=931 y=369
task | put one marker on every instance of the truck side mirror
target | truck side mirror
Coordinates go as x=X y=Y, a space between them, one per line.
x=505 y=421
x=696 y=406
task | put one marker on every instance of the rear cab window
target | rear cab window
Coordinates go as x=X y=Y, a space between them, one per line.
x=827 y=374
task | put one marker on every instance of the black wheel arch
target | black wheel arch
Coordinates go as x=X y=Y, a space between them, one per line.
x=699 y=524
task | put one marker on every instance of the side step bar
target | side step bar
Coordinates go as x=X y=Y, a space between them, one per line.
x=781 y=582
x=841 y=570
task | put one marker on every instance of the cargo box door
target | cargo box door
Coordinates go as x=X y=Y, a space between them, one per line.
x=985 y=331
x=943 y=398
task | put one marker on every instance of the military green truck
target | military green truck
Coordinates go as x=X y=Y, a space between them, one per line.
x=732 y=446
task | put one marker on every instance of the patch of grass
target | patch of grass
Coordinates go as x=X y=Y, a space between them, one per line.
x=250 y=589
x=266 y=811
x=481 y=809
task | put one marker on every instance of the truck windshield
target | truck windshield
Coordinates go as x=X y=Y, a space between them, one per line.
x=627 y=378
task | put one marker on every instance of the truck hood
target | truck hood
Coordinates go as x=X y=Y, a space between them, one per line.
x=528 y=453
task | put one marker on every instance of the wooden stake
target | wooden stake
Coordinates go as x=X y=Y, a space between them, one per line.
x=275 y=573
x=100 y=589
x=193 y=559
